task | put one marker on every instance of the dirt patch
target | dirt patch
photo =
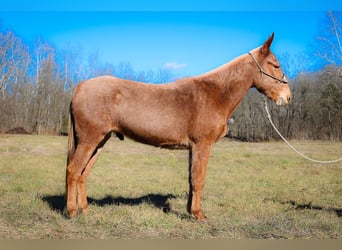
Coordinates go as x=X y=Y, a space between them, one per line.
x=17 y=131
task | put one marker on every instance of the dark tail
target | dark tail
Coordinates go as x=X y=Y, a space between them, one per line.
x=71 y=138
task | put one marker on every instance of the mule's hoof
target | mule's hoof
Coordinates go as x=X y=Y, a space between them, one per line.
x=199 y=215
x=71 y=213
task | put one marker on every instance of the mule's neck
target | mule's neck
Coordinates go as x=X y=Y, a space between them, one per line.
x=234 y=79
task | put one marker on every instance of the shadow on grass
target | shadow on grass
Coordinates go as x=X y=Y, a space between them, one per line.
x=298 y=206
x=160 y=201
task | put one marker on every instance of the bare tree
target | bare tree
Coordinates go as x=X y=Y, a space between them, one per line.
x=11 y=50
x=14 y=61
x=329 y=46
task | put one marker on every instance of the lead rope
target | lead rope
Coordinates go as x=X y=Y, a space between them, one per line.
x=293 y=148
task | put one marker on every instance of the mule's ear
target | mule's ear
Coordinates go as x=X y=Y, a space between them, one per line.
x=265 y=49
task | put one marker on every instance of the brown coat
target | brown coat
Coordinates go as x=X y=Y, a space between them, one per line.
x=190 y=113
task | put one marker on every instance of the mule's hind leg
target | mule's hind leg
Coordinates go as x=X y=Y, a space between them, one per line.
x=75 y=167
x=81 y=184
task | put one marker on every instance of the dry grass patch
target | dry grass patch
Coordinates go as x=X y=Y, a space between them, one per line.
x=253 y=190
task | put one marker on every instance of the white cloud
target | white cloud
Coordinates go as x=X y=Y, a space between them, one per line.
x=174 y=65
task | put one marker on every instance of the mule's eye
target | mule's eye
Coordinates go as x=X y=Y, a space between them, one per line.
x=276 y=66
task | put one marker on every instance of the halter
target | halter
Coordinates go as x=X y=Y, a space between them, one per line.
x=283 y=78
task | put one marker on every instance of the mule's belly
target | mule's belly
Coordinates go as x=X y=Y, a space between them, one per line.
x=159 y=142
x=163 y=131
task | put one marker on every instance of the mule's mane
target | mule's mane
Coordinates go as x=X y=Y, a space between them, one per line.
x=224 y=73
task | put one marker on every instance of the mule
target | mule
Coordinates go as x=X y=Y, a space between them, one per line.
x=190 y=113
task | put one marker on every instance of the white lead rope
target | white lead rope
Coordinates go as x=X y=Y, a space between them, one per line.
x=282 y=137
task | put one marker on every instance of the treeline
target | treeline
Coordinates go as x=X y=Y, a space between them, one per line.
x=37 y=81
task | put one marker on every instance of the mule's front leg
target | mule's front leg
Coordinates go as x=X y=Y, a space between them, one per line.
x=198 y=160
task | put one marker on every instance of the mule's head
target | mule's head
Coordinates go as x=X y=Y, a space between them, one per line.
x=268 y=77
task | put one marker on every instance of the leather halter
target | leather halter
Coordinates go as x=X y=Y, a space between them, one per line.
x=282 y=80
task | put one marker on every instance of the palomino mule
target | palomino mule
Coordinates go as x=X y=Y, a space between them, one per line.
x=190 y=113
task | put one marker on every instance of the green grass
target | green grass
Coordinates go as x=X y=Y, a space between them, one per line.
x=253 y=190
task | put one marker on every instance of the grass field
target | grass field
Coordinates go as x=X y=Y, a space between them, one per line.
x=253 y=190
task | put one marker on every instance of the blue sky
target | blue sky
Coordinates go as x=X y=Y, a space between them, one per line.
x=188 y=37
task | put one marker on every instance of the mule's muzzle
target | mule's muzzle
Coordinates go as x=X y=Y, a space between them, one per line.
x=283 y=100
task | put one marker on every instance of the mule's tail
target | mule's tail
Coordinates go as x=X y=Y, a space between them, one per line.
x=71 y=137
x=71 y=149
